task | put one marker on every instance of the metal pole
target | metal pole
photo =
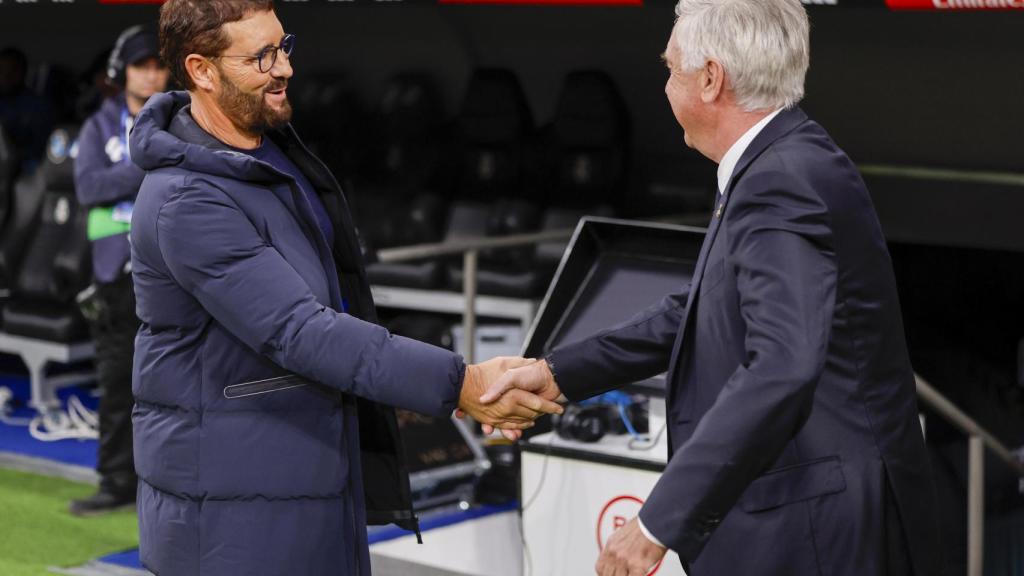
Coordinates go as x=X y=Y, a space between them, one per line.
x=405 y=253
x=954 y=415
x=469 y=261
x=420 y=251
x=975 y=506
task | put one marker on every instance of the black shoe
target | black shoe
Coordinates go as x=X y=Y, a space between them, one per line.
x=102 y=502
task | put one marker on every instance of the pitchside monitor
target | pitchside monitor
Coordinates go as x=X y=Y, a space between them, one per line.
x=611 y=271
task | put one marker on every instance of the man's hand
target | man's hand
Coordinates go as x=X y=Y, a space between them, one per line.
x=629 y=553
x=534 y=377
x=511 y=412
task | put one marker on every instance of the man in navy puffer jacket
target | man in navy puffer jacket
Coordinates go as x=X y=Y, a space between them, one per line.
x=260 y=376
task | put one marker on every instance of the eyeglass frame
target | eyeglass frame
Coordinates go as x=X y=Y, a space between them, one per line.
x=269 y=50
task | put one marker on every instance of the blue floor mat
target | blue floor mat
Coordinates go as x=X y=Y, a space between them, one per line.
x=126 y=559
x=16 y=439
x=438 y=518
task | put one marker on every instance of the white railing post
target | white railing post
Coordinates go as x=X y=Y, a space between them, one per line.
x=975 y=506
x=469 y=265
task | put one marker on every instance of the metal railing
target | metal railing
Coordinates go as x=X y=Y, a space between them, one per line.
x=978 y=438
x=470 y=250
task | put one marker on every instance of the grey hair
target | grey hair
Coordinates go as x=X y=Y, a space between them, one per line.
x=764 y=46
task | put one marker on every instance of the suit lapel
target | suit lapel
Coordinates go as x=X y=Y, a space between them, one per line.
x=783 y=124
x=698 y=275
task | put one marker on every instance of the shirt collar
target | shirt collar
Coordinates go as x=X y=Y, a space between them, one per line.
x=732 y=157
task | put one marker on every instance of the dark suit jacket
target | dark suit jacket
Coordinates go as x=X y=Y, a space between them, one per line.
x=792 y=412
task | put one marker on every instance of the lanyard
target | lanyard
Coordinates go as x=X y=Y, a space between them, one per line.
x=126 y=127
x=122 y=212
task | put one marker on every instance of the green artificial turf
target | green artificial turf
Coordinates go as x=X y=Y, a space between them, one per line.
x=37 y=532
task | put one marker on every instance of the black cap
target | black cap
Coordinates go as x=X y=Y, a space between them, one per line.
x=139 y=47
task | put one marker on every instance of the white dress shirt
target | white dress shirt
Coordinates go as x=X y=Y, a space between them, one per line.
x=735 y=152
x=725 y=170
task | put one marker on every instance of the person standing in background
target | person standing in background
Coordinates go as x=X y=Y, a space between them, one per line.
x=27 y=117
x=106 y=182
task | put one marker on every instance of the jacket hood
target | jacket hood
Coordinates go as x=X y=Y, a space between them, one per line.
x=165 y=135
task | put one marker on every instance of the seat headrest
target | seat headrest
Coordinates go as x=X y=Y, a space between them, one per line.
x=590 y=110
x=410 y=106
x=58 y=169
x=320 y=92
x=494 y=108
x=325 y=107
x=55 y=246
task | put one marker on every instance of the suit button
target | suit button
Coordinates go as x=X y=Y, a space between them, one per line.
x=709 y=522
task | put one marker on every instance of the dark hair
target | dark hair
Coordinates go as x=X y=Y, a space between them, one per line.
x=197 y=27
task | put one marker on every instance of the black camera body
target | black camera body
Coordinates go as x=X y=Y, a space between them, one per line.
x=591 y=422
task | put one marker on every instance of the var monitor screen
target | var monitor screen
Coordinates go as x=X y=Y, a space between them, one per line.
x=612 y=271
x=618 y=287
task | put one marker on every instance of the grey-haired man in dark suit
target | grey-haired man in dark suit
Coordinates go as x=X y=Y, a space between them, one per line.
x=795 y=447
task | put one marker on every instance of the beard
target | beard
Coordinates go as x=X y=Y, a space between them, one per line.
x=250 y=113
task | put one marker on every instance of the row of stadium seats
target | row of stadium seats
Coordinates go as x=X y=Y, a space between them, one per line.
x=44 y=254
x=489 y=148
x=486 y=173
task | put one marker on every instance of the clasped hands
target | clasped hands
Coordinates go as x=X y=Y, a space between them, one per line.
x=509 y=393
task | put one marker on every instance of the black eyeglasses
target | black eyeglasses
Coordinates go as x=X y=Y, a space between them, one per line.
x=267 y=57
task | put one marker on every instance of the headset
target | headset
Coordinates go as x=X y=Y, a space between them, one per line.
x=116 y=64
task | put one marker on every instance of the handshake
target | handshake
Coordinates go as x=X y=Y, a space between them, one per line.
x=509 y=393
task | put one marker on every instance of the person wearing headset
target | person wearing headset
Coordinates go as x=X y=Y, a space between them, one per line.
x=106 y=182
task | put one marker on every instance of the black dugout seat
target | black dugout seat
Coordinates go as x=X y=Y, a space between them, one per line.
x=56 y=264
x=328 y=119
x=387 y=222
x=587 y=144
x=57 y=85
x=8 y=167
x=394 y=199
x=501 y=272
x=21 y=201
x=514 y=272
x=405 y=145
x=496 y=171
x=586 y=154
x=494 y=137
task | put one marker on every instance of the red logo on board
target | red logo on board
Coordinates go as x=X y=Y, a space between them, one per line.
x=615 y=514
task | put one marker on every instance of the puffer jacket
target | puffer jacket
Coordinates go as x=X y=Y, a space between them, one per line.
x=262 y=440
